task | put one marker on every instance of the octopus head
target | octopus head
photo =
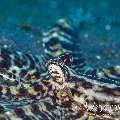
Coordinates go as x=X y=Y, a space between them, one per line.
x=56 y=73
x=57 y=68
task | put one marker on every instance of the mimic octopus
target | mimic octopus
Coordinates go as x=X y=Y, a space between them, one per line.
x=64 y=89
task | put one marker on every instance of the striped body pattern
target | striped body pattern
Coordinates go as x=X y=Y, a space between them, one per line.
x=62 y=38
x=25 y=67
x=64 y=89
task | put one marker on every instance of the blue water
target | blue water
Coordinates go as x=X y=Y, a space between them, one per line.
x=37 y=12
x=98 y=23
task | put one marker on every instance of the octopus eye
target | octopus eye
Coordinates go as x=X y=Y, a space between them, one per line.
x=67 y=58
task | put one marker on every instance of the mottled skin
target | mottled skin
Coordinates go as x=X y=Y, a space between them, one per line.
x=68 y=89
x=85 y=90
x=75 y=93
x=58 y=96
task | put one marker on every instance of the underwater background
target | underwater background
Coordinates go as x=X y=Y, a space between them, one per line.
x=98 y=24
